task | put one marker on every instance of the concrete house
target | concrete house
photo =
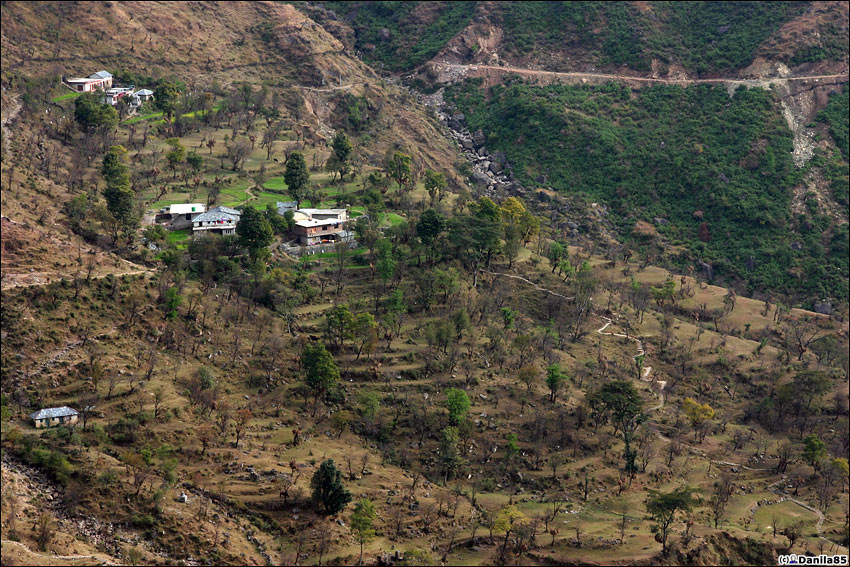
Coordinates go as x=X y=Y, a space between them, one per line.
x=114 y=95
x=49 y=417
x=317 y=226
x=179 y=215
x=102 y=80
x=219 y=220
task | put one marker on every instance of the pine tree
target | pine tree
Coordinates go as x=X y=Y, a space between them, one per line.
x=328 y=490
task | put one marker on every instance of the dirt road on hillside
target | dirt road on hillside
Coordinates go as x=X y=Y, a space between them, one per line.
x=477 y=70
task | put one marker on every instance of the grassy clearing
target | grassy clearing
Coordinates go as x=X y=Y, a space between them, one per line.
x=323 y=255
x=143 y=117
x=264 y=198
x=179 y=235
x=276 y=183
x=66 y=96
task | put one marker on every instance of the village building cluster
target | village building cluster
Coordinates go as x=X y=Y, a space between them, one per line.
x=311 y=226
x=112 y=95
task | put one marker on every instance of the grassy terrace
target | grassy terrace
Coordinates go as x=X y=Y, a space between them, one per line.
x=66 y=96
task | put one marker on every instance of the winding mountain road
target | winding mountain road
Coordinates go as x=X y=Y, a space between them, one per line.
x=466 y=69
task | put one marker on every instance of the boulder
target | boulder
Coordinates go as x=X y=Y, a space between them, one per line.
x=483 y=152
x=467 y=144
x=495 y=167
x=499 y=157
x=479 y=138
x=824 y=308
x=480 y=179
x=540 y=179
x=661 y=222
x=385 y=34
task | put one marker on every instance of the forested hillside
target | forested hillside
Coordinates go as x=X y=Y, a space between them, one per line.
x=712 y=172
x=380 y=283
x=697 y=37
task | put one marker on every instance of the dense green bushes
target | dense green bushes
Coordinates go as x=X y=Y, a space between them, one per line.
x=835 y=115
x=689 y=156
x=716 y=36
x=412 y=38
x=702 y=36
x=33 y=452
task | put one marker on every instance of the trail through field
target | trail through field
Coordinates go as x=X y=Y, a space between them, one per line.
x=536 y=286
x=641 y=352
x=24 y=548
x=13 y=113
x=11 y=281
x=327 y=90
x=702 y=453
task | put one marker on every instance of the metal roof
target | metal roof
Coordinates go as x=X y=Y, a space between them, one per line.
x=184 y=208
x=100 y=75
x=227 y=210
x=144 y=92
x=215 y=216
x=318 y=222
x=50 y=413
x=311 y=212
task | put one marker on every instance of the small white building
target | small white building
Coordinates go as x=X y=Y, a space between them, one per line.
x=114 y=95
x=49 y=417
x=144 y=95
x=179 y=215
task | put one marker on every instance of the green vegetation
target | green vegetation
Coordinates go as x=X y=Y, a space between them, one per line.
x=178 y=236
x=835 y=116
x=702 y=36
x=276 y=184
x=66 y=96
x=719 y=169
x=143 y=117
x=413 y=37
x=716 y=36
x=328 y=490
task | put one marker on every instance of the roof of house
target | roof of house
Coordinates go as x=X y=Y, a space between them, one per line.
x=50 y=413
x=228 y=210
x=82 y=80
x=311 y=212
x=216 y=216
x=286 y=204
x=183 y=208
x=316 y=222
x=144 y=92
x=100 y=75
